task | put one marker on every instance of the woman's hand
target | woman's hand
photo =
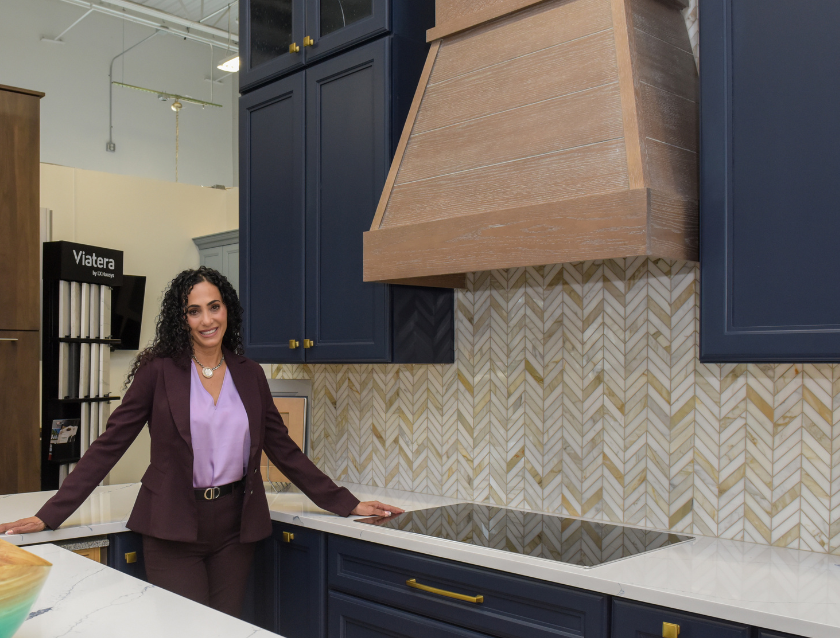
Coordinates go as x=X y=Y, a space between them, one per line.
x=374 y=508
x=23 y=526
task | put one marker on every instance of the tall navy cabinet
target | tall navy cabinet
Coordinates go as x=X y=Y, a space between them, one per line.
x=769 y=222
x=315 y=148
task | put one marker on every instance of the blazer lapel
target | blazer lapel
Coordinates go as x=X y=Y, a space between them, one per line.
x=177 y=382
x=248 y=391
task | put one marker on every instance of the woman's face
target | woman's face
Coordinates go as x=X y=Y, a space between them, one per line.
x=206 y=315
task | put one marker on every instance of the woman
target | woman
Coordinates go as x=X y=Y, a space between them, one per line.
x=201 y=507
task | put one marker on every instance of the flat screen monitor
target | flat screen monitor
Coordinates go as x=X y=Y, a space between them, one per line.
x=127 y=311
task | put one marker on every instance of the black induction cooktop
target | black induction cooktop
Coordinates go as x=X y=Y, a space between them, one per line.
x=566 y=540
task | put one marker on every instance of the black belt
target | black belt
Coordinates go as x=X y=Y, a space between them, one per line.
x=212 y=493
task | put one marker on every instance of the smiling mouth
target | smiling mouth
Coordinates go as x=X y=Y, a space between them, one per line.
x=208 y=333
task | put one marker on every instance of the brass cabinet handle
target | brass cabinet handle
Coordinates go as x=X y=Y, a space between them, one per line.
x=131 y=557
x=308 y=42
x=293 y=48
x=412 y=582
x=288 y=537
x=308 y=343
x=670 y=630
x=293 y=343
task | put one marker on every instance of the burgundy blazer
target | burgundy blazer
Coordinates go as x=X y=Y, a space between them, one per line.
x=166 y=505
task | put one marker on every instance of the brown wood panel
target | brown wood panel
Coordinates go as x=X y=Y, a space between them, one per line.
x=661 y=20
x=293 y=411
x=20 y=454
x=17 y=89
x=630 y=116
x=672 y=170
x=669 y=118
x=452 y=16
x=673 y=227
x=665 y=66
x=552 y=125
x=93 y=553
x=559 y=70
x=405 y=135
x=596 y=227
x=586 y=170
x=438 y=281
x=538 y=27
x=19 y=217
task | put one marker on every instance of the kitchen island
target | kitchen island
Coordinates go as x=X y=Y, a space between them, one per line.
x=774 y=588
x=84 y=598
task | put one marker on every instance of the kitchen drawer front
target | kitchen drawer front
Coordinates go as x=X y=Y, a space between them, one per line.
x=355 y=618
x=512 y=606
x=637 y=620
x=766 y=633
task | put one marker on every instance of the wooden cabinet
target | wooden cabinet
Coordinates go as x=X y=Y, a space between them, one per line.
x=20 y=305
x=637 y=620
x=498 y=604
x=279 y=36
x=768 y=221
x=315 y=150
x=352 y=617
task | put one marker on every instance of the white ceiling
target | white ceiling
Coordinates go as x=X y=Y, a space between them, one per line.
x=198 y=9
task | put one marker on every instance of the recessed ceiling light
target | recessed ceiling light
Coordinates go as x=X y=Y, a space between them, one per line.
x=231 y=64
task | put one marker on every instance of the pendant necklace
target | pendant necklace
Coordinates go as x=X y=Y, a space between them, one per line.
x=208 y=372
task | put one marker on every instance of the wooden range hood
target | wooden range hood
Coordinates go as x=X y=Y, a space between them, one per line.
x=543 y=131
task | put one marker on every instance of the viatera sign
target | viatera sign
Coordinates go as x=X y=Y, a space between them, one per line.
x=79 y=262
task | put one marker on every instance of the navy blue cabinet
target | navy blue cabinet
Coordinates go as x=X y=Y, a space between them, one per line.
x=497 y=604
x=769 y=159
x=636 y=620
x=125 y=554
x=315 y=148
x=355 y=618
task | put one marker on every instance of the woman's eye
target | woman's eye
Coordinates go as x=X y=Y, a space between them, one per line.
x=192 y=312
x=216 y=307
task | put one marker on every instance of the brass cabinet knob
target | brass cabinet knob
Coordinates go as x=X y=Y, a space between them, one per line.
x=308 y=42
x=131 y=557
x=308 y=343
x=287 y=537
x=293 y=48
x=670 y=630
x=293 y=343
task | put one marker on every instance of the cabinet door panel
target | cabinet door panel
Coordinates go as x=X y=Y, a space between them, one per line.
x=336 y=24
x=355 y=618
x=301 y=582
x=268 y=28
x=19 y=392
x=636 y=620
x=271 y=220
x=231 y=264
x=768 y=220
x=347 y=162
x=120 y=547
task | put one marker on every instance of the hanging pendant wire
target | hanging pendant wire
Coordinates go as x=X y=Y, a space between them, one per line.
x=177 y=133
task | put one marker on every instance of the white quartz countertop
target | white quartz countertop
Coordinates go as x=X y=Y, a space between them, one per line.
x=782 y=589
x=83 y=598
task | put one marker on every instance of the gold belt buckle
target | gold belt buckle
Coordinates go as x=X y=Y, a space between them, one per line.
x=212 y=493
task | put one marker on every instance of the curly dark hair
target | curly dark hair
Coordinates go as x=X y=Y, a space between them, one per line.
x=172 y=333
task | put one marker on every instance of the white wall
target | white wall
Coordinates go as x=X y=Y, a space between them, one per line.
x=74 y=76
x=153 y=223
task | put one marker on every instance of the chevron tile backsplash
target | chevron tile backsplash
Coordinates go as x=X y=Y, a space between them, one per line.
x=577 y=390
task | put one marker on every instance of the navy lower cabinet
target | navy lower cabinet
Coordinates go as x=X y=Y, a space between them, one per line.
x=352 y=617
x=315 y=149
x=637 y=620
x=496 y=604
x=125 y=554
x=301 y=581
x=768 y=181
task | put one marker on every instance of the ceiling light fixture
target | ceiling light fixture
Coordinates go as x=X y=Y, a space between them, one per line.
x=231 y=64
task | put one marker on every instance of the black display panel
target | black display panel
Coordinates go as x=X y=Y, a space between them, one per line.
x=127 y=311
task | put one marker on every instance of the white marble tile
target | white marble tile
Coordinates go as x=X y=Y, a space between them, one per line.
x=83 y=598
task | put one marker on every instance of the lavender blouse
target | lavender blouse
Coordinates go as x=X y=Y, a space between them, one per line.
x=220 y=435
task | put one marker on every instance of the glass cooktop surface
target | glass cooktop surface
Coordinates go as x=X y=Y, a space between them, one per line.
x=566 y=540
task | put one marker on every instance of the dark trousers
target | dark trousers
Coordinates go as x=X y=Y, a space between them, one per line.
x=212 y=571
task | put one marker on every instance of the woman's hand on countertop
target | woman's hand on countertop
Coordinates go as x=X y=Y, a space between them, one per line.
x=23 y=526
x=375 y=508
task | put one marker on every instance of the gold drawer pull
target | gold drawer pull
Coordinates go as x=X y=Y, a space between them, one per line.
x=308 y=343
x=412 y=582
x=131 y=557
x=670 y=630
x=287 y=537
x=294 y=48
x=293 y=343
